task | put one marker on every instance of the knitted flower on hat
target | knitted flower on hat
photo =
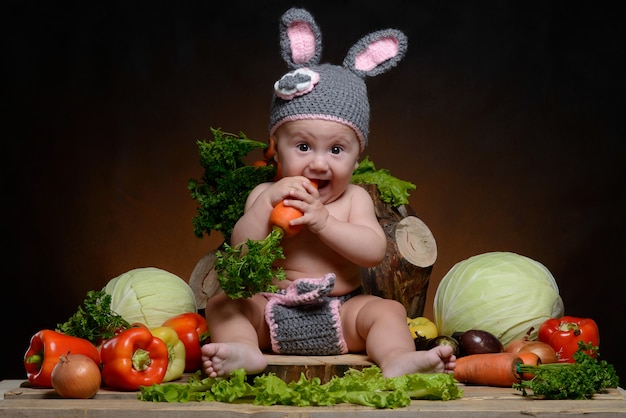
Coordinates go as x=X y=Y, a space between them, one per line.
x=324 y=91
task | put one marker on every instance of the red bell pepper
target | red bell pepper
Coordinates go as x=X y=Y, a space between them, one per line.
x=133 y=358
x=46 y=347
x=563 y=334
x=192 y=330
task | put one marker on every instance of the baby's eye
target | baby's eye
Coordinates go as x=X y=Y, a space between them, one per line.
x=336 y=150
x=303 y=147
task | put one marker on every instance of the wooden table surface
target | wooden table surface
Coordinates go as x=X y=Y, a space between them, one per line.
x=478 y=401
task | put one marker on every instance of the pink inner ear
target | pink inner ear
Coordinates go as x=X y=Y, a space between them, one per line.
x=302 y=41
x=376 y=52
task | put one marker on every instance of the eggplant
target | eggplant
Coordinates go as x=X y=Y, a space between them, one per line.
x=446 y=340
x=422 y=343
x=475 y=341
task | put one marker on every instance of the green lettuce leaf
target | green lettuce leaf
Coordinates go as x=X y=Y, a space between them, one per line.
x=365 y=387
x=392 y=190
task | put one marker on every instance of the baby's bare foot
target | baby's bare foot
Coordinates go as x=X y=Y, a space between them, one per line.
x=439 y=359
x=219 y=359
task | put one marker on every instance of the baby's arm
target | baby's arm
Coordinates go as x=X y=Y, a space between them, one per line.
x=360 y=239
x=255 y=224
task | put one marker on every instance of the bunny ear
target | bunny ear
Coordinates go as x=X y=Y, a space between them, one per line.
x=376 y=53
x=300 y=38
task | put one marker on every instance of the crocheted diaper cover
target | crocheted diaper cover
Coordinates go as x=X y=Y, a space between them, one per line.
x=304 y=320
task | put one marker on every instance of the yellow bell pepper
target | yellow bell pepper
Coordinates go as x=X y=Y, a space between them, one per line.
x=176 y=352
x=422 y=327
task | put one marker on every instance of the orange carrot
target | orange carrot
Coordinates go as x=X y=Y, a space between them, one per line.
x=270 y=149
x=281 y=216
x=268 y=155
x=279 y=170
x=530 y=358
x=489 y=369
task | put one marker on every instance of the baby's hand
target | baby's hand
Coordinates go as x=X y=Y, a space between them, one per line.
x=307 y=200
x=285 y=188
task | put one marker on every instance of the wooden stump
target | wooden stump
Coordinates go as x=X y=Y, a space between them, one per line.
x=289 y=368
x=203 y=280
x=411 y=252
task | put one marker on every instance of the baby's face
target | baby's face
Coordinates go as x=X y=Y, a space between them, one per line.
x=323 y=150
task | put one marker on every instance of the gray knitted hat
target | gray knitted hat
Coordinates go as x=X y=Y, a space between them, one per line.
x=325 y=91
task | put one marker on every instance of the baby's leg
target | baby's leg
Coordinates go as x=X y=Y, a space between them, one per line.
x=380 y=326
x=237 y=328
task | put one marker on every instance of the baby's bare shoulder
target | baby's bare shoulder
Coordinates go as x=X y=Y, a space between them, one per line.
x=360 y=198
x=357 y=190
x=354 y=202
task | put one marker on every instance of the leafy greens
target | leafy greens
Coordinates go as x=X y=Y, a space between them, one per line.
x=95 y=321
x=366 y=387
x=222 y=191
x=579 y=380
x=247 y=269
x=392 y=190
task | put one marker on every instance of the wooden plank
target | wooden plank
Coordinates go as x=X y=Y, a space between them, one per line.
x=476 y=393
x=478 y=401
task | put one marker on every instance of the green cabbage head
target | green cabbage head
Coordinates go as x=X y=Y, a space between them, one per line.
x=503 y=293
x=150 y=296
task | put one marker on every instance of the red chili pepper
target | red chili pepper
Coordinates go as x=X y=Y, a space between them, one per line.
x=46 y=347
x=192 y=330
x=132 y=359
x=563 y=334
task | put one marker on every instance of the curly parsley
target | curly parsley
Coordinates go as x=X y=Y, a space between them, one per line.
x=222 y=191
x=95 y=321
x=579 y=380
x=247 y=269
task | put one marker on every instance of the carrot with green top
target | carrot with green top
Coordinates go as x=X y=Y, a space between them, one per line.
x=248 y=268
x=531 y=359
x=489 y=369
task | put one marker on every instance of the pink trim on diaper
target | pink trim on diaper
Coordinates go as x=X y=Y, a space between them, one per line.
x=334 y=306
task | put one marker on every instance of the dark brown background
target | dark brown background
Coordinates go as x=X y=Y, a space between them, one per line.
x=506 y=115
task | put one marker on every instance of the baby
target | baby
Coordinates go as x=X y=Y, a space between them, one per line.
x=319 y=120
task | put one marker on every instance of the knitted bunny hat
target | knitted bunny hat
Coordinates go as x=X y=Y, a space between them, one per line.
x=324 y=91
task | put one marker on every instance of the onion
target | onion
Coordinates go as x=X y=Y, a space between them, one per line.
x=544 y=351
x=516 y=345
x=76 y=376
